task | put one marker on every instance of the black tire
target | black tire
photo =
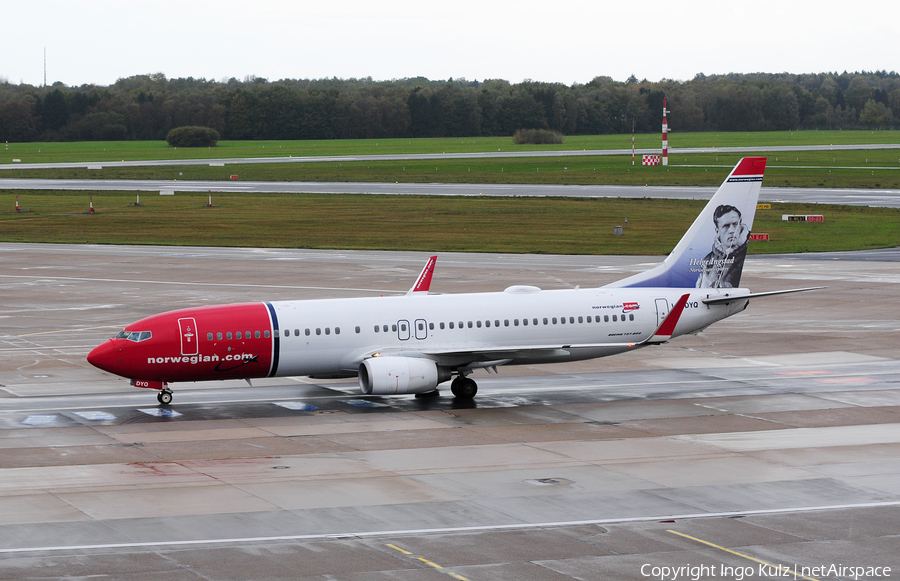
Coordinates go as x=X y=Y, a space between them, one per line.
x=464 y=388
x=454 y=386
x=164 y=397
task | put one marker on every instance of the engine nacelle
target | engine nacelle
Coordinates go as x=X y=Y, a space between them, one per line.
x=399 y=375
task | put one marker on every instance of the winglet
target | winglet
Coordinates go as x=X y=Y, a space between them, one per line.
x=667 y=328
x=423 y=283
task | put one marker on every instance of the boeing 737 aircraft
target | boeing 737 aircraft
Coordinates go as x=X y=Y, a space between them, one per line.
x=410 y=344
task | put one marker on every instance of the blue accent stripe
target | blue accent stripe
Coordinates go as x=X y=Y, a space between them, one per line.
x=276 y=340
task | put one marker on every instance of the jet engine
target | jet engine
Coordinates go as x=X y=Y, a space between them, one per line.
x=398 y=375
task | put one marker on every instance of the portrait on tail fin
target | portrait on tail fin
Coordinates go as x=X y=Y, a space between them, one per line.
x=711 y=253
x=722 y=267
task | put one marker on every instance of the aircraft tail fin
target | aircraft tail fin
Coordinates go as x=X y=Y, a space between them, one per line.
x=711 y=253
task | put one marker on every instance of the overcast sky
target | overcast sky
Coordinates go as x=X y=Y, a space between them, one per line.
x=99 y=41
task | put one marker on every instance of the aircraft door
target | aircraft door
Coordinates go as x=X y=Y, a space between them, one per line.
x=403 y=330
x=189 y=341
x=662 y=311
x=421 y=329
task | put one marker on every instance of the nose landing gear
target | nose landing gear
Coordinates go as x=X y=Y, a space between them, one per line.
x=164 y=396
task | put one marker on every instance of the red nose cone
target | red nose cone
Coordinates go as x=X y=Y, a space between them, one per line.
x=105 y=356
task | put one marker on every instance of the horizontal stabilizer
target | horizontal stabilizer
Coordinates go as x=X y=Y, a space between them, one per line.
x=736 y=297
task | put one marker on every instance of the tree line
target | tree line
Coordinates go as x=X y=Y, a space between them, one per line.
x=146 y=107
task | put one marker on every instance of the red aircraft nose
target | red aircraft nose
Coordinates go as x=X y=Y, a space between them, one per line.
x=105 y=356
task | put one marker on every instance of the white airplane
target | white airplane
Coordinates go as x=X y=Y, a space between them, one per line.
x=411 y=344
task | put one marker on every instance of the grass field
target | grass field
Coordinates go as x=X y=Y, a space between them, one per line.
x=144 y=150
x=530 y=225
x=421 y=223
x=833 y=169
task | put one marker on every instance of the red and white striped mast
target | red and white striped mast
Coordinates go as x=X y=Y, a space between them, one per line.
x=632 y=141
x=665 y=136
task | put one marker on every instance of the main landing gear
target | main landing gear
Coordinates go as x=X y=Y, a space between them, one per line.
x=164 y=396
x=463 y=387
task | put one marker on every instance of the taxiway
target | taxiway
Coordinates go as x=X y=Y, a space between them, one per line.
x=773 y=436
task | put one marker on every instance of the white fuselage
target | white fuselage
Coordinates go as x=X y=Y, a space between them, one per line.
x=330 y=337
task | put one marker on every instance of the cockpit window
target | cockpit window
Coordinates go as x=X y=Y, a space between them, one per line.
x=136 y=336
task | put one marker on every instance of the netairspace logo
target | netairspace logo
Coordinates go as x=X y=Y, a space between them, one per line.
x=761 y=571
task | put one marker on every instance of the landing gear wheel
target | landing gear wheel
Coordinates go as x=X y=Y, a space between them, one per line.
x=164 y=397
x=464 y=388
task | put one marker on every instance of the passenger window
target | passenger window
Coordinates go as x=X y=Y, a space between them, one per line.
x=630 y=317
x=237 y=335
x=525 y=322
x=597 y=319
x=506 y=322
x=615 y=318
x=377 y=328
x=572 y=320
x=442 y=325
x=357 y=329
x=337 y=330
x=461 y=325
x=562 y=320
x=421 y=326
x=451 y=324
x=477 y=324
x=403 y=326
x=515 y=322
x=534 y=321
x=431 y=326
x=554 y=320
x=605 y=318
x=256 y=334
x=487 y=323
x=394 y=328
x=318 y=331
x=266 y=334
x=580 y=320
x=209 y=336
x=384 y=328
x=247 y=334
x=470 y=324
x=496 y=323
x=327 y=330
x=228 y=335
x=545 y=320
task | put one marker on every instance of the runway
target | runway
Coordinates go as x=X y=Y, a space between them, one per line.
x=774 y=435
x=438 y=156
x=856 y=197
